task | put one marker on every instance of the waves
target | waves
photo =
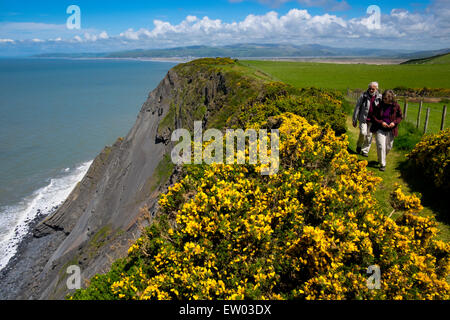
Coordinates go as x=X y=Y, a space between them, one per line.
x=15 y=219
x=54 y=124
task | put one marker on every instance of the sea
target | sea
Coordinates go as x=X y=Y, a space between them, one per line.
x=56 y=115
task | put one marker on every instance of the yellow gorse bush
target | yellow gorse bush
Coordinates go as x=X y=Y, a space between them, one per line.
x=431 y=156
x=308 y=232
x=400 y=201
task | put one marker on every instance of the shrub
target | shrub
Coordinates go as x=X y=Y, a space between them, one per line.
x=211 y=61
x=408 y=136
x=400 y=201
x=423 y=92
x=308 y=232
x=316 y=105
x=431 y=157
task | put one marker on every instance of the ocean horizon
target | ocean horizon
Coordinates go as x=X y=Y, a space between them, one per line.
x=56 y=115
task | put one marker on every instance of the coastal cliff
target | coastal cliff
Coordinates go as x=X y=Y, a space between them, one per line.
x=118 y=195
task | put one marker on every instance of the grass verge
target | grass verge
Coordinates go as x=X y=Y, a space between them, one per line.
x=395 y=161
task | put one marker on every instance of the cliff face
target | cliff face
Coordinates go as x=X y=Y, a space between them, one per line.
x=104 y=211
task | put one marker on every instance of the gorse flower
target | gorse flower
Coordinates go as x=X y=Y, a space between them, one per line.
x=431 y=156
x=400 y=201
x=308 y=232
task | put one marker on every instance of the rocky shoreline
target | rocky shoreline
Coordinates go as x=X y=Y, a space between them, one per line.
x=118 y=194
x=19 y=268
x=23 y=242
x=31 y=224
x=94 y=225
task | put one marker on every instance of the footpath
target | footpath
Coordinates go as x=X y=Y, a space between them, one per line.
x=390 y=177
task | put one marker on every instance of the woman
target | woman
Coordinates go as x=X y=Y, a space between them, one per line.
x=385 y=119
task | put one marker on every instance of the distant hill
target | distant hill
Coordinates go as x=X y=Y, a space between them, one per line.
x=70 y=55
x=251 y=50
x=241 y=51
x=426 y=54
x=438 y=59
x=255 y=50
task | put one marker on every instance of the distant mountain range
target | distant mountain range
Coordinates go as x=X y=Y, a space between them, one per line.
x=258 y=51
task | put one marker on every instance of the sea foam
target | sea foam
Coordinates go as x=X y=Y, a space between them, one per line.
x=15 y=220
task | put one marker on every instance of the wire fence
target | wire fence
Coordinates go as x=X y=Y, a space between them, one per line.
x=415 y=110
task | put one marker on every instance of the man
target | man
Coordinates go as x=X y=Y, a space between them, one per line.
x=366 y=102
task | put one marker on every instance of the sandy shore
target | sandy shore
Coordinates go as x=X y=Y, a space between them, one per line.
x=174 y=60
x=334 y=60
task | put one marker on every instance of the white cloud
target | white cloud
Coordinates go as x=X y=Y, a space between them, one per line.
x=296 y=26
x=7 y=41
x=191 y=19
x=32 y=30
x=296 y=23
x=103 y=35
x=94 y=37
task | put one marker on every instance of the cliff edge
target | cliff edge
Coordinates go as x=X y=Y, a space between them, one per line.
x=118 y=194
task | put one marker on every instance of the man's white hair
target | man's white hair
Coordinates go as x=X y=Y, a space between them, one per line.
x=373 y=83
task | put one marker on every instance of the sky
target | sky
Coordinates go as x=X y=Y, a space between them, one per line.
x=30 y=27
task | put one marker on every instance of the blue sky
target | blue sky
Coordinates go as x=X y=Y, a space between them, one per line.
x=118 y=15
x=40 y=26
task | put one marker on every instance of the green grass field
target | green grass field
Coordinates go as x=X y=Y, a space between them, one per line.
x=434 y=122
x=435 y=73
x=300 y=74
x=343 y=76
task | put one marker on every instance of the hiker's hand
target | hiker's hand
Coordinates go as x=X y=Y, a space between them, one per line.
x=391 y=125
x=384 y=124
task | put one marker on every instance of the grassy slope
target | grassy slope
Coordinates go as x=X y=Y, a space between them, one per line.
x=440 y=59
x=244 y=82
x=343 y=76
x=445 y=59
x=302 y=74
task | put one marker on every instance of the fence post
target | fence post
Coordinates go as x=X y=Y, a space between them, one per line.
x=405 y=109
x=426 y=121
x=444 y=113
x=418 y=114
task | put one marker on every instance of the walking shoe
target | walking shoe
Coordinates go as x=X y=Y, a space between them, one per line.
x=358 y=150
x=364 y=154
x=383 y=168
